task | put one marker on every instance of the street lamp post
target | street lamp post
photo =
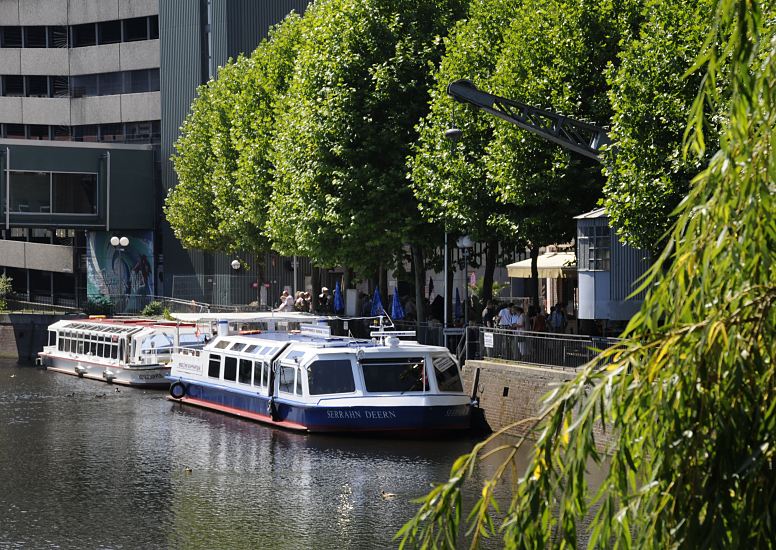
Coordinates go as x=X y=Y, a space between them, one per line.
x=465 y=243
x=453 y=134
x=120 y=243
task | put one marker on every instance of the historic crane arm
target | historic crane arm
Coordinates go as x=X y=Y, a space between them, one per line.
x=586 y=139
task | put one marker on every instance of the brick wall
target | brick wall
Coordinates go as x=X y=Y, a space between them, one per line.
x=509 y=393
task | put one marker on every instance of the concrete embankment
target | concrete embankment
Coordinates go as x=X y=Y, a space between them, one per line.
x=23 y=335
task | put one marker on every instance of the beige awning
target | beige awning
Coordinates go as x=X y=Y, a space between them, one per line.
x=551 y=265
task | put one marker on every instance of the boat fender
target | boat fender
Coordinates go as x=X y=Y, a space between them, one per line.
x=178 y=390
x=272 y=409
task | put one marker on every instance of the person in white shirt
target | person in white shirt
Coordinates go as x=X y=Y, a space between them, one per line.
x=507 y=317
x=286 y=302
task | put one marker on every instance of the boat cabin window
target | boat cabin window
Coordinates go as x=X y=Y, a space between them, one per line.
x=251 y=349
x=214 y=366
x=287 y=380
x=121 y=351
x=237 y=346
x=447 y=375
x=230 y=368
x=223 y=344
x=244 y=373
x=52 y=338
x=260 y=373
x=330 y=377
x=396 y=374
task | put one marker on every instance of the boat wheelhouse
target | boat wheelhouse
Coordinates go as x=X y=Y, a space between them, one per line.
x=318 y=383
x=131 y=352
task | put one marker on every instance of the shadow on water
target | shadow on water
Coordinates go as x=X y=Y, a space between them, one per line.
x=85 y=466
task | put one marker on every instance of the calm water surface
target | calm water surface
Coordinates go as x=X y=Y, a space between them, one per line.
x=85 y=466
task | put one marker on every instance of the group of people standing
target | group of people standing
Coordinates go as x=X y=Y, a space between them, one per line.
x=514 y=317
x=302 y=301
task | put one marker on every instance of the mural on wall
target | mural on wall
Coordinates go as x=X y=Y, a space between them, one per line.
x=123 y=270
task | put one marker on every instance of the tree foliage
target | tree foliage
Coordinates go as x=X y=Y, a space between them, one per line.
x=650 y=101
x=222 y=160
x=450 y=179
x=688 y=397
x=555 y=55
x=360 y=86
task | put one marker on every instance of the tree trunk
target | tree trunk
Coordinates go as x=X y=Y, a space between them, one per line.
x=383 y=285
x=315 y=282
x=491 y=254
x=535 y=275
x=347 y=277
x=420 y=279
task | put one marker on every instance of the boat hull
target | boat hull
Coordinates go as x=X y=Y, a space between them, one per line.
x=453 y=416
x=140 y=376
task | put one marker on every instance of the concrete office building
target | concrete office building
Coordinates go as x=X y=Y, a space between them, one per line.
x=92 y=93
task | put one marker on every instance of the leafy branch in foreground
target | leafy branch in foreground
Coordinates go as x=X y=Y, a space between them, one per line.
x=688 y=397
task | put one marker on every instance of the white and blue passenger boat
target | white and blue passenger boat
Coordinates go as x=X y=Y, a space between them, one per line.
x=311 y=381
x=131 y=352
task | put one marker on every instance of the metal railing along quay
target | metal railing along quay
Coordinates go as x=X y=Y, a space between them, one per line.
x=539 y=348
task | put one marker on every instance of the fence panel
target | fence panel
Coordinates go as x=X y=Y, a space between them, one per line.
x=540 y=348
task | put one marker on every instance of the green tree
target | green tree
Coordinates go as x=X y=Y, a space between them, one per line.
x=554 y=55
x=360 y=86
x=688 y=397
x=222 y=155
x=6 y=287
x=450 y=179
x=650 y=100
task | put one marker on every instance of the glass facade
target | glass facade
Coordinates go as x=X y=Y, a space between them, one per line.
x=80 y=36
x=53 y=192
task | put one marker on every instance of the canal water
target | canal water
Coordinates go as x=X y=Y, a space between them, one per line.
x=84 y=465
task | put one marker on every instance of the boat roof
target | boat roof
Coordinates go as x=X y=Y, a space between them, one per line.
x=252 y=316
x=268 y=343
x=119 y=326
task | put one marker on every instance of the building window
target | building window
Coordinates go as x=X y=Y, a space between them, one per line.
x=153 y=27
x=34 y=37
x=112 y=132
x=11 y=37
x=15 y=131
x=87 y=132
x=594 y=252
x=83 y=85
x=30 y=192
x=61 y=133
x=57 y=37
x=37 y=131
x=84 y=35
x=74 y=193
x=135 y=29
x=110 y=83
x=13 y=85
x=37 y=86
x=109 y=32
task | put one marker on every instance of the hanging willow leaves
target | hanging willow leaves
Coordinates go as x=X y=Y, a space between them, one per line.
x=688 y=397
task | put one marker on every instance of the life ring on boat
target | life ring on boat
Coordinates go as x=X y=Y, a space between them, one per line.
x=177 y=390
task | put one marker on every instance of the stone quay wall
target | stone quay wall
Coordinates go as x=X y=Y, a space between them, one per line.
x=23 y=335
x=511 y=392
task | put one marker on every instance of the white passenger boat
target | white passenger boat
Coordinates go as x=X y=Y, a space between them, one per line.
x=313 y=382
x=131 y=352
